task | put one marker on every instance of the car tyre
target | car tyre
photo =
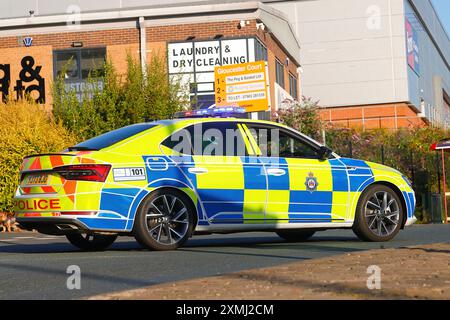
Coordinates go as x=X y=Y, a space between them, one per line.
x=165 y=220
x=87 y=242
x=296 y=235
x=379 y=214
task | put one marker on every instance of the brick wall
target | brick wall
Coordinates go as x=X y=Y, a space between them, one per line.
x=390 y=116
x=63 y=40
x=201 y=31
x=229 y=29
x=278 y=52
x=42 y=58
x=120 y=42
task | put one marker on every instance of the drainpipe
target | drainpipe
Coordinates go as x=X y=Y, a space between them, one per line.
x=143 y=45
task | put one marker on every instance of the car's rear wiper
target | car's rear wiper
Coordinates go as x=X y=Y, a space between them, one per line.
x=77 y=148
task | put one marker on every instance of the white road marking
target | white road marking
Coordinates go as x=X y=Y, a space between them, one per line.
x=50 y=238
x=24 y=238
x=28 y=238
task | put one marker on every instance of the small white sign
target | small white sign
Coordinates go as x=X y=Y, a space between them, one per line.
x=192 y=63
x=254 y=86
x=203 y=56
x=246 y=96
x=245 y=78
x=129 y=174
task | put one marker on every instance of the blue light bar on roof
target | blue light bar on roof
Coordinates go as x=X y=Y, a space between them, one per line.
x=223 y=112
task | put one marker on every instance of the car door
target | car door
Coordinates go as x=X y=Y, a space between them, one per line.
x=302 y=188
x=229 y=188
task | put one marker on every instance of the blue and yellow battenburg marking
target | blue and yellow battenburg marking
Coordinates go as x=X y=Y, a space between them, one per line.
x=250 y=189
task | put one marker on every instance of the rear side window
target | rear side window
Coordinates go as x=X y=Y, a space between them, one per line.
x=112 y=137
x=208 y=139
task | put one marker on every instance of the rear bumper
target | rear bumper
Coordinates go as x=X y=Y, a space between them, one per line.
x=53 y=226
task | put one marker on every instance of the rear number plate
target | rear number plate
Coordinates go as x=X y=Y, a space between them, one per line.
x=37 y=179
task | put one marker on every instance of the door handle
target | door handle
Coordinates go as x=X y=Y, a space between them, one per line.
x=198 y=170
x=351 y=168
x=276 y=172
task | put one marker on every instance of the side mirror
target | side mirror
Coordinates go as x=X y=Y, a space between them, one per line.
x=325 y=153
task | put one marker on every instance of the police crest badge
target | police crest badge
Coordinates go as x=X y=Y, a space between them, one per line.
x=311 y=182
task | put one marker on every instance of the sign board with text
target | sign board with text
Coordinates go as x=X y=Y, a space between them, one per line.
x=244 y=85
x=412 y=47
x=192 y=64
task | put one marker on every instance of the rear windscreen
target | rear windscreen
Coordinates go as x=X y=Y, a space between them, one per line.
x=112 y=137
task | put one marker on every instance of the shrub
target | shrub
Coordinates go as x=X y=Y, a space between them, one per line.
x=25 y=128
x=124 y=99
x=302 y=116
x=406 y=149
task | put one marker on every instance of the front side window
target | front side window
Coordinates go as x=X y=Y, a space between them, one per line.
x=207 y=139
x=276 y=142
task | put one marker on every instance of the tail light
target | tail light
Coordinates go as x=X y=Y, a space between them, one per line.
x=84 y=172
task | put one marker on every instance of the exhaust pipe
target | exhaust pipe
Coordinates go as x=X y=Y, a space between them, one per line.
x=66 y=227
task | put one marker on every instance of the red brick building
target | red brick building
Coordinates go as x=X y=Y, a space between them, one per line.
x=389 y=115
x=244 y=32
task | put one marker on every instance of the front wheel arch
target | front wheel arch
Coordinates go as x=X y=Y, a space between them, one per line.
x=398 y=193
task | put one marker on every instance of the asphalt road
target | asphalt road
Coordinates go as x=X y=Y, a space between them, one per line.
x=33 y=266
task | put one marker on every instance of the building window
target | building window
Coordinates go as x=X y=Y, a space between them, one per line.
x=279 y=73
x=293 y=88
x=446 y=101
x=78 y=64
x=446 y=111
x=260 y=51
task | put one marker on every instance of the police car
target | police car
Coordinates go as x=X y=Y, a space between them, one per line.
x=163 y=181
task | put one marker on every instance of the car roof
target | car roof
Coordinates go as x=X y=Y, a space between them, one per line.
x=193 y=120
x=212 y=119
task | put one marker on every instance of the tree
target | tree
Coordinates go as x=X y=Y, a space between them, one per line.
x=120 y=100
x=303 y=116
x=25 y=129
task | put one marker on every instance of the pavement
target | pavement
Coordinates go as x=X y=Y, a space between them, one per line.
x=34 y=266
x=417 y=272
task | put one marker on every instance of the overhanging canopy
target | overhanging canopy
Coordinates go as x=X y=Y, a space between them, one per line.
x=441 y=145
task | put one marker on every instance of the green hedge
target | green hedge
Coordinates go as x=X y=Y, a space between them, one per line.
x=406 y=149
x=123 y=99
x=25 y=128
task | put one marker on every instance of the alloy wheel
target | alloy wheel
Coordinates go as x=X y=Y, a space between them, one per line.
x=167 y=219
x=382 y=213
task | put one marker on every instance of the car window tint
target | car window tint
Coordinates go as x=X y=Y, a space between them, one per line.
x=112 y=137
x=180 y=141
